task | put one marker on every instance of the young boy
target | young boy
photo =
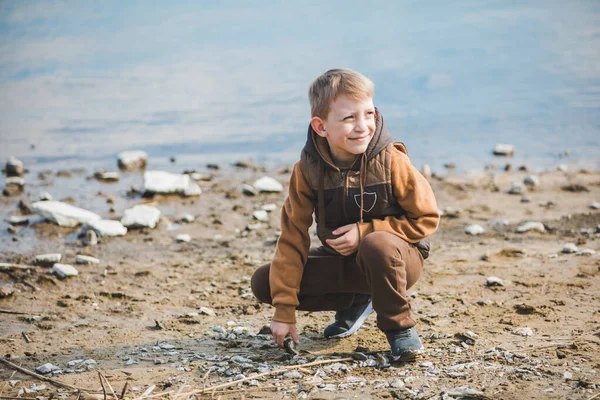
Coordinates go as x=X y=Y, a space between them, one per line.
x=374 y=214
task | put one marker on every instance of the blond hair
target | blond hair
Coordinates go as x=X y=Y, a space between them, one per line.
x=327 y=87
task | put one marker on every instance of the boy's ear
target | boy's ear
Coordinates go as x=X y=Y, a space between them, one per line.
x=318 y=126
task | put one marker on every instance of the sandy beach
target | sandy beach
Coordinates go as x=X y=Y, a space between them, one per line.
x=502 y=314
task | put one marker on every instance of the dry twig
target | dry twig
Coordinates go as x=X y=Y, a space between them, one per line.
x=43 y=378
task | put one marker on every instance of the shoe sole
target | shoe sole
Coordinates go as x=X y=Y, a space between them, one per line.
x=408 y=356
x=357 y=324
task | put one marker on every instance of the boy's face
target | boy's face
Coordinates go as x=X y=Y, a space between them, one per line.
x=349 y=128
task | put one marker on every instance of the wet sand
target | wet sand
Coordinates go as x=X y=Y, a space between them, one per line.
x=137 y=313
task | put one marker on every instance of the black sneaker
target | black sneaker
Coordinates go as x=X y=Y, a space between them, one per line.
x=405 y=344
x=349 y=320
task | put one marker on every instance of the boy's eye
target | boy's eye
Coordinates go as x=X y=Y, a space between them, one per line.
x=370 y=113
x=348 y=117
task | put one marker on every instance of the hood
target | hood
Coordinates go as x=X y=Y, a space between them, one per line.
x=317 y=146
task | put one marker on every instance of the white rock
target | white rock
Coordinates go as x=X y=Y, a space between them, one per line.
x=207 y=311
x=105 y=227
x=17 y=220
x=74 y=363
x=267 y=184
x=15 y=180
x=269 y=207
x=562 y=167
x=293 y=375
x=585 y=252
x=502 y=149
x=187 y=218
x=131 y=160
x=569 y=248
x=141 y=216
x=531 y=180
x=465 y=392
x=261 y=215
x=397 y=383
x=498 y=223
x=46 y=368
x=168 y=183
x=45 y=196
x=568 y=375
x=474 y=229
x=595 y=205
x=494 y=281
x=14 y=167
x=64 y=270
x=426 y=171
x=516 y=188
x=81 y=259
x=107 y=176
x=531 y=226
x=63 y=214
x=248 y=190
x=48 y=259
x=184 y=237
x=524 y=331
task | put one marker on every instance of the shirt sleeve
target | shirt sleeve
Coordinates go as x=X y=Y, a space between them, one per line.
x=414 y=194
x=292 y=249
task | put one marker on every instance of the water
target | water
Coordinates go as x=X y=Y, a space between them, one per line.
x=220 y=81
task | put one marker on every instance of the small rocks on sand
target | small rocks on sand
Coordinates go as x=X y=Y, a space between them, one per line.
x=595 y=205
x=184 y=237
x=267 y=185
x=14 y=167
x=532 y=181
x=269 y=207
x=261 y=215
x=46 y=368
x=105 y=227
x=17 y=220
x=141 y=216
x=91 y=238
x=63 y=214
x=494 y=281
x=474 y=229
x=14 y=186
x=48 y=259
x=585 y=252
x=502 y=149
x=516 y=188
x=523 y=331
x=106 y=176
x=64 y=270
x=168 y=183
x=531 y=226
x=207 y=311
x=248 y=190
x=569 y=248
x=187 y=218
x=132 y=160
x=498 y=223
x=81 y=259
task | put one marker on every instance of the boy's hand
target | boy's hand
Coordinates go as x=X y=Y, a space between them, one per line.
x=280 y=330
x=348 y=242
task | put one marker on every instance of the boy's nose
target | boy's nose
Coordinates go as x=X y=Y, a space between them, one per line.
x=361 y=125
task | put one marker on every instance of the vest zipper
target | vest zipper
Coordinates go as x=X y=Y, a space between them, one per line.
x=344 y=197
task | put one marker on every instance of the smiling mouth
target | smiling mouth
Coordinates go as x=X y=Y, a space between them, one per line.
x=361 y=138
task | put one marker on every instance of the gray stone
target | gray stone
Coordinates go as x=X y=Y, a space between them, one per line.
x=208 y=311
x=293 y=375
x=474 y=229
x=502 y=149
x=91 y=238
x=63 y=214
x=585 y=252
x=268 y=185
x=81 y=259
x=567 y=375
x=516 y=188
x=132 y=160
x=531 y=226
x=184 y=237
x=48 y=259
x=494 y=281
x=141 y=216
x=45 y=196
x=595 y=205
x=269 y=207
x=46 y=368
x=532 y=181
x=397 y=383
x=465 y=392
x=14 y=167
x=261 y=215
x=569 y=248
x=187 y=218
x=106 y=176
x=169 y=183
x=498 y=223
x=105 y=227
x=248 y=190
x=64 y=270
x=523 y=331
x=17 y=220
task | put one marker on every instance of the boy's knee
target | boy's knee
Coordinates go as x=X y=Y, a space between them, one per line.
x=380 y=244
x=260 y=284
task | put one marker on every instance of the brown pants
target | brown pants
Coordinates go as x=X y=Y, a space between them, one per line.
x=385 y=266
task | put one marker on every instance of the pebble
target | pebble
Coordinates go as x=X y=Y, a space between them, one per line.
x=261 y=215
x=397 y=383
x=218 y=329
x=141 y=216
x=516 y=188
x=502 y=149
x=524 y=331
x=494 y=281
x=595 y=205
x=451 y=212
x=184 y=237
x=525 y=199
x=568 y=375
x=46 y=368
x=208 y=311
x=531 y=226
x=17 y=220
x=64 y=270
x=105 y=176
x=562 y=167
x=465 y=392
x=248 y=190
x=45 y=196
x=293 y=375
x=63 y=214
x=268 y=185
x=426 y=171
x=569 y=248
x=188 y=218
x=48 y=259
x=81 y=259
x=585 y=252
x=91 y=238
x=105 y=227
x=532 y=180
x=14 y=167
x=131 y=160
x=168 y=183
x=498 y=223
x=269 y=207
x=474 y=229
